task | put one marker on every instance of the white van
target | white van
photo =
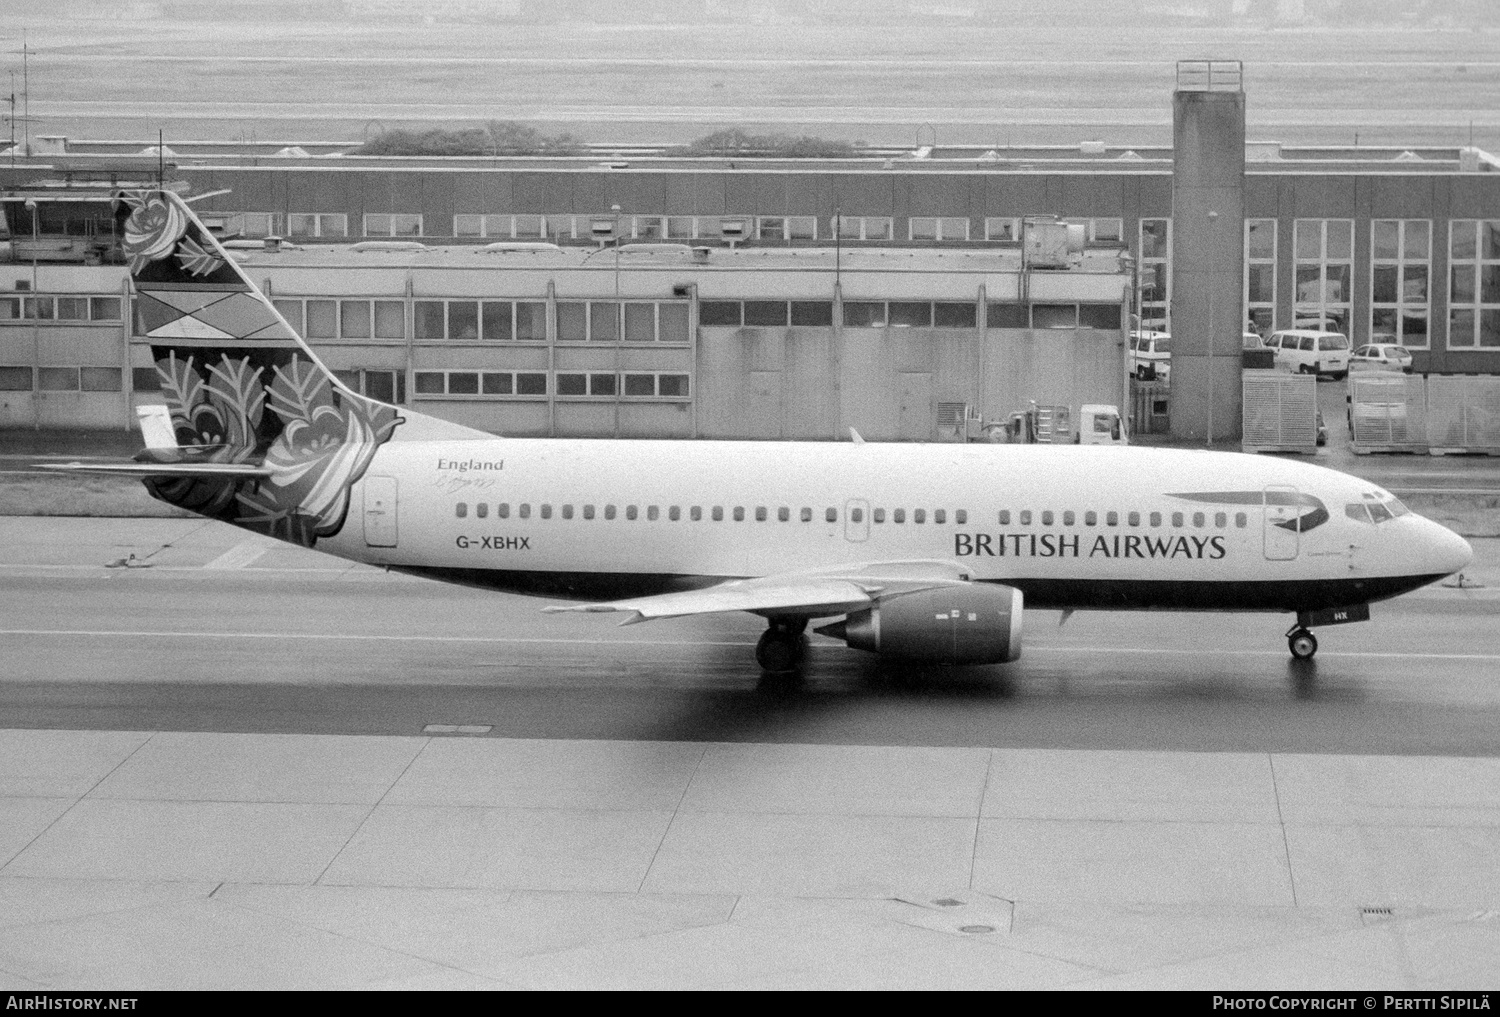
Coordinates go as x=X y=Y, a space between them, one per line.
x=1306 y=351
x=1150 y=351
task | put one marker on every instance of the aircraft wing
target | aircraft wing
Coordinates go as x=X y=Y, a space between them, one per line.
x=150 y=469
x=804 y=594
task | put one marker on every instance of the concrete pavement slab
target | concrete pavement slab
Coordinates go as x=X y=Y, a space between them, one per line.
x=599 y=850
x=1396 y=866
x=537 y=773
x=1132 y=862
x=22 y=820
x=1387 y=790
x=269 y=768
x=205 y=945
x=29 y=901
x=1122 y=938
x=1217 y=787
x=827 y=855
x=247 y=841
x=479 y=931
x=838 y=780
x=61 y=763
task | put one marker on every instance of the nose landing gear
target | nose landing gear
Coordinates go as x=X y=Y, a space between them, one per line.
x=1302 y=643
x=781 y=646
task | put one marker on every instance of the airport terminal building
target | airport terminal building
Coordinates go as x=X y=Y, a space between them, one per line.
x=636 y=293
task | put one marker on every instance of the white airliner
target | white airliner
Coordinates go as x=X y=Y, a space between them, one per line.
x=922 y=552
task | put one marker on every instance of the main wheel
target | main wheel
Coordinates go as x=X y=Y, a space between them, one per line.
x=779 y=650
x=1303 y=644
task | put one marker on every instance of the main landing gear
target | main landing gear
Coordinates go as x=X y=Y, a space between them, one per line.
x=1301 y=642
x=781 y=647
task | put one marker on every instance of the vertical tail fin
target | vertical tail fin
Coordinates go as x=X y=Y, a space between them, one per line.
x=240 y=385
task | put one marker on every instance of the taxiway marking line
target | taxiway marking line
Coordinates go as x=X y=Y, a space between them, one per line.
x=355 y=637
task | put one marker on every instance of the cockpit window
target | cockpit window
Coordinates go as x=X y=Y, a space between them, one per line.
x=1375 y=509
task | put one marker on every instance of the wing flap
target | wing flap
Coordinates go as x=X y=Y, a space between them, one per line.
x=814 y=597
x=809 y=594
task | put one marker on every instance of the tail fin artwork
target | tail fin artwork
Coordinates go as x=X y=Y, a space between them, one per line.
x=265 y=436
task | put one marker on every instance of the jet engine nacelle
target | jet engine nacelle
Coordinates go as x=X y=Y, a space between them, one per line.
x=978 y=624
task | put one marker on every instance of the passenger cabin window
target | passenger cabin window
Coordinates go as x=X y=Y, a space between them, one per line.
x=760 y=513
x=674 y=513
x=481 y=510
x=1156 y=519
x=1004 y=517
x=856 y=515
x=939 y=516
x=1176 y=518
x=1068 y=518
x=609 y=512
x=652 y=513
x=461 y=509
x=546 y=511
x=784 y=514
x=961 y=516
x=631 y=512
x=1047 y=517
x=1026 y=517
x=807 y=515
x=1112 y=519
x=898 y=515
x=696 y=513
x=1240 y=520
x=832 y=515
x=503 y=510
x=718 y=513
x=739 y=513
x=919 y=515
x=1198 y=519
x=525 y=510
x=877 y=515
x=567 y=511
x=1134 y=519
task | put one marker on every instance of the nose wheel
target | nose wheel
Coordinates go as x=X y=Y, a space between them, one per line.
x=780 y=648
x=1302 y=643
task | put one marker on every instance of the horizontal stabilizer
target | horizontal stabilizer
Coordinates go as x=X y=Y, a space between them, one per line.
x=202 y=471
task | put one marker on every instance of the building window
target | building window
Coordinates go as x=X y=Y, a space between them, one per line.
x=655 y=386
x=766 y=313
x=322 y=319
x=72 y=308
x=1006 y=229
x=937 y=228
x=1260 y=275
x=316 y=224
x=252 y=224
x=291 y=310
x=909 y=314
x=720 y=312
x=789 y=227
x=57 y=379
x=18 y=379
x=1400 y=280
x=104 y=308
x=862 y=227
x=864 y=314
x=392 y=224
x=1324 y=253
x=812 y=312
x=950 y=314
x=1054 y=315
x=1102 y=316
x=1007 y=316
x=384 y=385
x=1474 y=286
x=487 y=384
x=1154 y=298
x=1101 y=231
x=100 y=379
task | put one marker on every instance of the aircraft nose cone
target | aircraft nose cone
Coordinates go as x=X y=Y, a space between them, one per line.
x=1450 y=552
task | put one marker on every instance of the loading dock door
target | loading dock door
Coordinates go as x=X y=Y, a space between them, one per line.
x=380 y=511
x=1282 y=543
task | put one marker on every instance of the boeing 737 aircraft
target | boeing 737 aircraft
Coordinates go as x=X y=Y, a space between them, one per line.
x=928 y=553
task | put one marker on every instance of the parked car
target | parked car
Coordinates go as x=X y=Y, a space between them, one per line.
x=1388 y=355
x=1250 y=341
x=1305 y=351
x=1150 y=354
